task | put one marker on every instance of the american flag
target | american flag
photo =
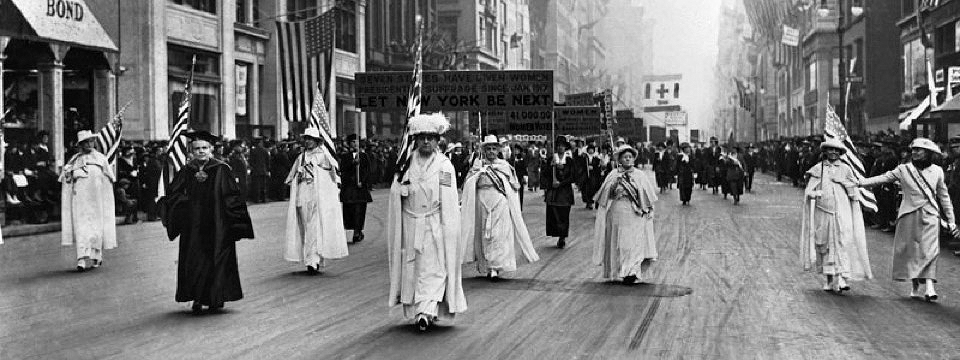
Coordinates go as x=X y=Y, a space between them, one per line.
x=178 y=149
x=305 y=49
x=833 y=129
x=108 y=138
x=321 y=120
x=413 y=106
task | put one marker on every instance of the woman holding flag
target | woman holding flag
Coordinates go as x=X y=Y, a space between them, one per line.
x=924 y=210
x=834 y=243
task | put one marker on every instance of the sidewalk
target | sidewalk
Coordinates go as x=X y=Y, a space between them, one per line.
x=11 y=231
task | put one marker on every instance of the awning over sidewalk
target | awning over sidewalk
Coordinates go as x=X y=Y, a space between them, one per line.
x=915 y=114
x=64 y=21
x=952 y=104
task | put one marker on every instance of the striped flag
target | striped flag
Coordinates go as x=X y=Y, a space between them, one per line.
x=833 y=129
x=413 y=106
x=321 y=120
x=178 y=146
x=108 y=138
x=305 y=51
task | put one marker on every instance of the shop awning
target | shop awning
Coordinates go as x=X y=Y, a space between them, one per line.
x=915 y=114
x=65 y=21
x=952 y=104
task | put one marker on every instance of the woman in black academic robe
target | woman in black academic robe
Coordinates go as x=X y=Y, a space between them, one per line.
x=559 y=194
x=204 y=207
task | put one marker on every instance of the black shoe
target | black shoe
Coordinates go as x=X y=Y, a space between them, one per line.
x=562 y=243
x=312 y=270
x=629 y=280
x=197 y=307
x=422 y=323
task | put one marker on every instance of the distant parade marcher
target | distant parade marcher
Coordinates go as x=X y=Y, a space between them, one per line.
x=423 y=229
x=87 y=213
x=259 y=172
x=685 y=170
x=625 y=242
x=925 y=208
x=714 y=165
x=491 y=225
x=314 y=231
x=559 y=178
x=519 y=162
x=592 y=178
x=357 y=182
x=749 y=161
x=734 y=174
x=833 y=238
x=240 y=168
x=661 y=167
x=205 y=208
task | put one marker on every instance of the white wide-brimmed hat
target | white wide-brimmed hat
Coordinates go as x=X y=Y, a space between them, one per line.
x=312 y=132
x=434 y=123
x=489 y=140
x=84 y=135
x=924 y=143
x=833 y=143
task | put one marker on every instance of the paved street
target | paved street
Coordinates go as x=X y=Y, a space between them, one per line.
x=728 y=285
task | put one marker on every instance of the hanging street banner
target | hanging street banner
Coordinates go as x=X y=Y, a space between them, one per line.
x=791 y=36
x=676 y=118
x=571 y=120
x=473 y=90
x=581 y=99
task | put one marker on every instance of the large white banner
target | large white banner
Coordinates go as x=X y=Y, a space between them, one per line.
x=241 y=90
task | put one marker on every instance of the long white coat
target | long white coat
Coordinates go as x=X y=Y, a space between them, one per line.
x=328 y=219
x=468 y=208
x=87 y=212
x=443 y=172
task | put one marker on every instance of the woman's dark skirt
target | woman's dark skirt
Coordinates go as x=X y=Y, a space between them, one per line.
x=558 y=220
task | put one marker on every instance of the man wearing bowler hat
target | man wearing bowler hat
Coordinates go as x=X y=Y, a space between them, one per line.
x=358 y=180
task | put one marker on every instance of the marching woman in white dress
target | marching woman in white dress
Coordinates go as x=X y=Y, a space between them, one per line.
x=626 y=244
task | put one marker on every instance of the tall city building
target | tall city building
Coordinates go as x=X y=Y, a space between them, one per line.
x=565 y=38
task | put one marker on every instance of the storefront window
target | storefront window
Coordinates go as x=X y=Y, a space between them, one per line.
x=205 y=90
x=204 y=104
x=209 y=6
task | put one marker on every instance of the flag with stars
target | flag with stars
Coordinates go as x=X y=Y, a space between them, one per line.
x=413 y=106
x=833 y=129
x=305 y=50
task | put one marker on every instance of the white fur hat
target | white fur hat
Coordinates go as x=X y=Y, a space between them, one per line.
x=434 y=123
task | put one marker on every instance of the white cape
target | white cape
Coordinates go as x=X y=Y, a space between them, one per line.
x=468 y=209
x=329 y=216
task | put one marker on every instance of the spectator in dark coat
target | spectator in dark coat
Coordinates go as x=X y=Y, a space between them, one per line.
x=750 y=166
x=259 y=172
x=357 y=181
x=519 y=162
x=238 y=167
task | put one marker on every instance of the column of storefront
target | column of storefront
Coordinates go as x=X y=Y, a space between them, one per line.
x=51 y=102
x=104 y=97
x=228 y=90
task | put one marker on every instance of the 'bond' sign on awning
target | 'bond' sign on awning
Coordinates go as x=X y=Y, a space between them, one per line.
x=64 y=21
x=457 y=90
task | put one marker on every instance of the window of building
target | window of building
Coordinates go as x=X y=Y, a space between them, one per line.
x=811 y=74
x=299 y=10
x=209 y=6
x=956 y=36
x=347 y=27
x=242 y=12
x=835 y=71
x=205 y=90
x=906 y=65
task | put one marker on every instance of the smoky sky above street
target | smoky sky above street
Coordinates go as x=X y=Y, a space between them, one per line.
x=685 y=42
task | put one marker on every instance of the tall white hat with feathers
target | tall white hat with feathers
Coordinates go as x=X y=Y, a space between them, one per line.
x=434 y=123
